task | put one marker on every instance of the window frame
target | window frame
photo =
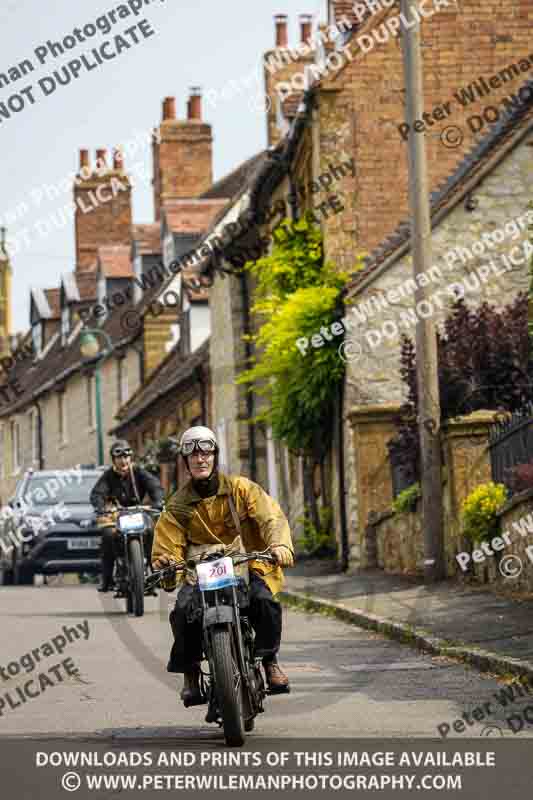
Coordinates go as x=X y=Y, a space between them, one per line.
x=37 y=337
x=16 y=450
x=65 y=324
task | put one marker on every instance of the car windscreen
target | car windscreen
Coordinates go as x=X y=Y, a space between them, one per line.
x=65 y=487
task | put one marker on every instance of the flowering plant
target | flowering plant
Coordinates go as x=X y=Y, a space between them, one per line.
x=480 y=508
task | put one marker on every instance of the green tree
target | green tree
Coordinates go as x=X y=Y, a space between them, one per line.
x=297 y=293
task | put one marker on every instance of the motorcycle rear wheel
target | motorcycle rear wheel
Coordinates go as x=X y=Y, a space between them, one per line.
x=136 y=577
x=229 y=690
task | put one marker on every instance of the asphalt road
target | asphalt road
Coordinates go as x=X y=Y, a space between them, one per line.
x=345 y=682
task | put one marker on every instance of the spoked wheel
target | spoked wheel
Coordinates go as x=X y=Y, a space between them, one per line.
x=136 y=581
x=229 y=688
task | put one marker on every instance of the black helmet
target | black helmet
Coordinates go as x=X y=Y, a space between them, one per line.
x=120 y=448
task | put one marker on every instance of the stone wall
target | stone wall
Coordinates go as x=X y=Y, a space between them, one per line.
x=387 y=301
x=370 y=478
x=466 y=464
x=400 y=544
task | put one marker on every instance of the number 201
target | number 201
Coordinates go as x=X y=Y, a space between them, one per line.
x=217 y=572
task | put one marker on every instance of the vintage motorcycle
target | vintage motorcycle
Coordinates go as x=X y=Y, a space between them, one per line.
x=233 y=687
x=132 y=561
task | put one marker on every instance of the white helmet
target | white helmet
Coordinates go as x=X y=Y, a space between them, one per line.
x=198 y=437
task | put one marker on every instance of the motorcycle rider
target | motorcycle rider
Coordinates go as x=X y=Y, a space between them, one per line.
x=122 y=484
x=211 y=510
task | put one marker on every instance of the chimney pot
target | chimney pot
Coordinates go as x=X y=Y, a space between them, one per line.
x=101 y=158
x=84 y=160
x=118 y=159
x=306 y=27
x=194 y=106
x=282 y=36
x=169 y=108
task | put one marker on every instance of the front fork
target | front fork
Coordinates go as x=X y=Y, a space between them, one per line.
x=241 y=663
x=124 y=555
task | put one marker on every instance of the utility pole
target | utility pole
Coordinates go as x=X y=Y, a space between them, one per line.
x=426 y=341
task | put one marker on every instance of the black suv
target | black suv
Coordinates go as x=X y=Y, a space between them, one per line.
x=49 y=526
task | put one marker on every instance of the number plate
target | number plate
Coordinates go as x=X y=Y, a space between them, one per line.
x=131 y=523
x=89 y=543
x=216 y=574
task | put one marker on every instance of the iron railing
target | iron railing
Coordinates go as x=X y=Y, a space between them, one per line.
x=511 y=443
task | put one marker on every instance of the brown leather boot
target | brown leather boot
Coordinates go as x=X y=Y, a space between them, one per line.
x=278 y=682
x=191 y=693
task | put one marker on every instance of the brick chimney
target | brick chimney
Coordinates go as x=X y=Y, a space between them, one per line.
x=281 y=65
x=306 y=27
x=102 y=196
x=282 y=34
x=182 y=153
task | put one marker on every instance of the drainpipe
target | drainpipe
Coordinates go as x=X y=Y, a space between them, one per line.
x=345 y=548
x=39 y=433
x=341 y=461
x=293 y=197
x=250 y=397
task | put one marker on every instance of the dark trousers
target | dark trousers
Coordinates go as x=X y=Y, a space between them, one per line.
x=264 y=614
x=107 y=555
x=108 y=551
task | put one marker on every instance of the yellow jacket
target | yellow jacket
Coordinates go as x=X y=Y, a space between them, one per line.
x=189 y=521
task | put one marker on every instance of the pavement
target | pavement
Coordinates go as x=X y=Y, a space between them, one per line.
x=491 y=632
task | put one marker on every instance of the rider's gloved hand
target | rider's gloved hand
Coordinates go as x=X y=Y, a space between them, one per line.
x=283 y=555
x=161 y=562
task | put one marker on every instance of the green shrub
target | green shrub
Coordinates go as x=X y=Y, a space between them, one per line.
x=406 y=500
x=318 y=542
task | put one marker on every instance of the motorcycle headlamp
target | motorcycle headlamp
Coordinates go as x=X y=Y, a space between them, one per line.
x=201 y=445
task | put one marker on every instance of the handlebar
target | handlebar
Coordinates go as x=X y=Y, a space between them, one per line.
x=238 y=558
x=130 y=509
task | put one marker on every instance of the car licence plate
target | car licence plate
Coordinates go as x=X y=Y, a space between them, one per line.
x=87 y=543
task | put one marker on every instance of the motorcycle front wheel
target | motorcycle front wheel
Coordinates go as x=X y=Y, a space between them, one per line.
x=136 y=578
x=229 y=687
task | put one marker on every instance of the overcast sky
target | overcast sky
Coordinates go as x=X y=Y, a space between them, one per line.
x=197 y=42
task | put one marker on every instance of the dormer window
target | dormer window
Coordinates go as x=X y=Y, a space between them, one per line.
x=65 y=324
x=37 y=337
